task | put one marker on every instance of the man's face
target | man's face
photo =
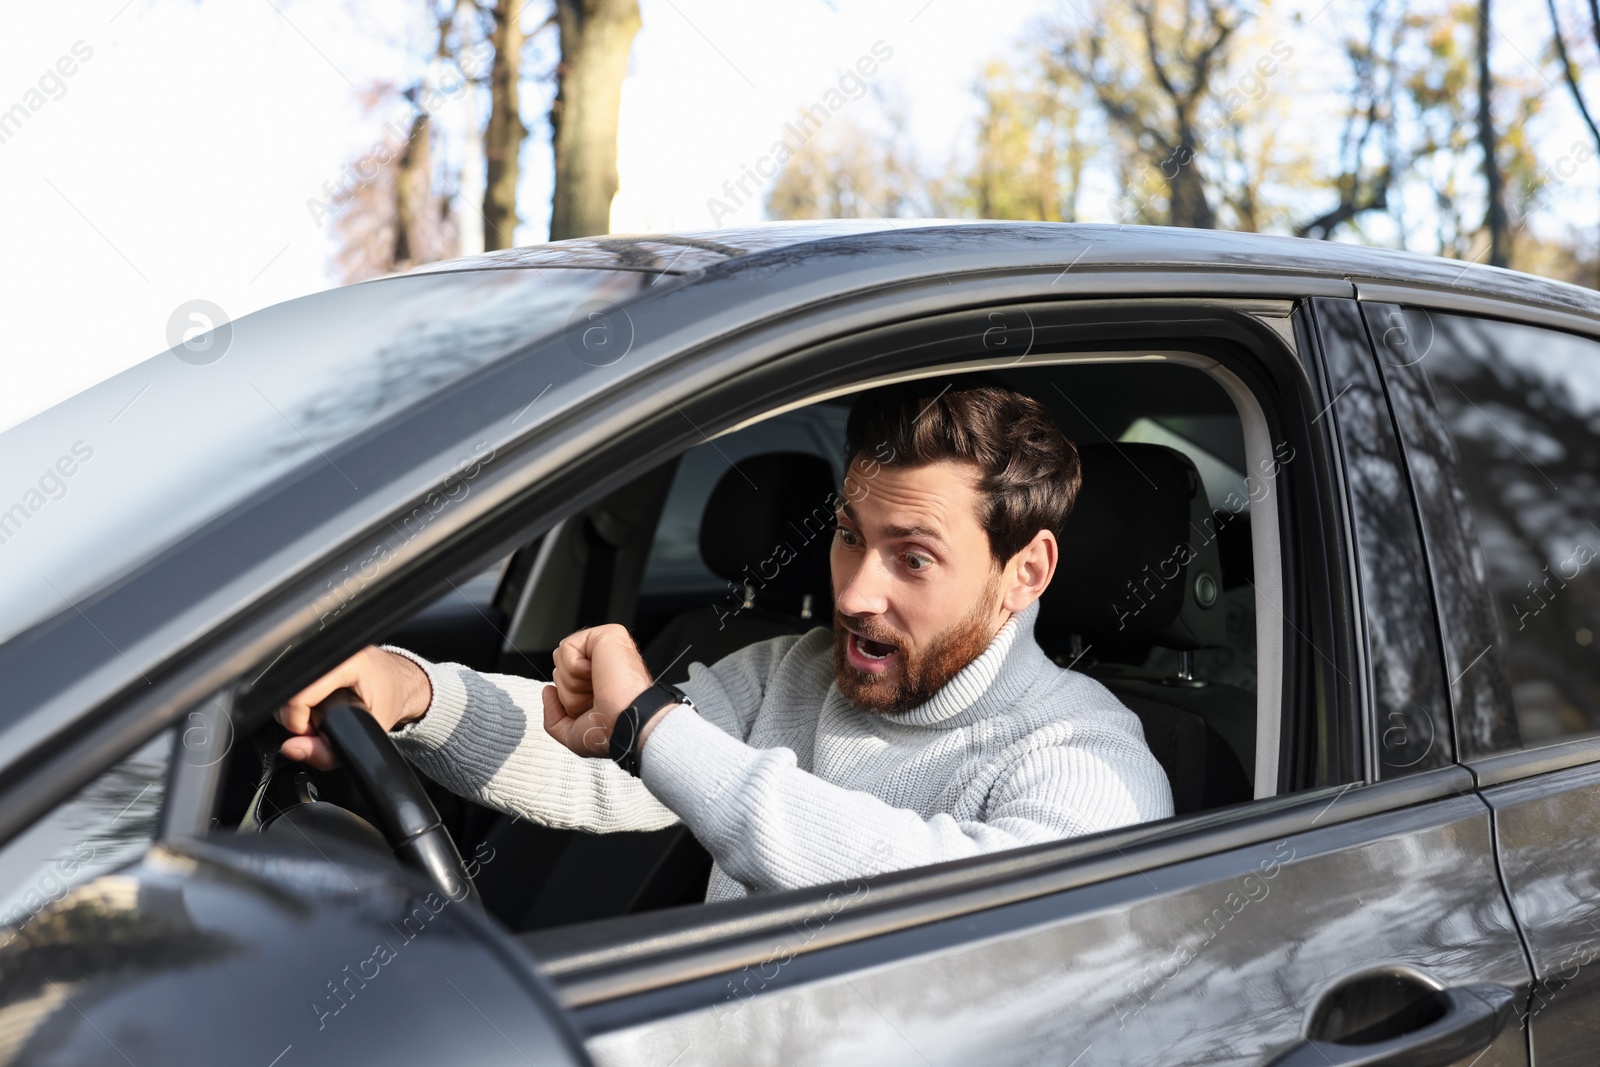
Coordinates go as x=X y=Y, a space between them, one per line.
x=917 y=594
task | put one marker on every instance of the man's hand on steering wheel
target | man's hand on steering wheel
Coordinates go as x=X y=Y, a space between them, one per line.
x=599 y=672
x=394 y=689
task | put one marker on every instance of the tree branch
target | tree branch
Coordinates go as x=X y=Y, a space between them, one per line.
x=1119 y=110
x=1350 y=205
x=1148 y=17
x=1570 y=73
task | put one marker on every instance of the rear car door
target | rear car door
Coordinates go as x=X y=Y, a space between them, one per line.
x=1501 y=422
x=1360 y=914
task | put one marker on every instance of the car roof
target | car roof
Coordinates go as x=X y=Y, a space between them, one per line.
x=1087 y=246
x=670 y=253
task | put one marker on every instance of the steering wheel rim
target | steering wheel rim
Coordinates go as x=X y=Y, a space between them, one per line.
x=401 y=808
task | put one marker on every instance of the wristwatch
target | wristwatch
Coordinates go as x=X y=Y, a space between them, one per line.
x=646 y=706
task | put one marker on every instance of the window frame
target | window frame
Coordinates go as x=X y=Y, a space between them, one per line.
x=1347 y=364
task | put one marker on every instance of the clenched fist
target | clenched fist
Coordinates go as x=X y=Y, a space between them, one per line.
x=599 y=672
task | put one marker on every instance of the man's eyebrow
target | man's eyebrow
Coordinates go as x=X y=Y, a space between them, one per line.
x=896 y=533
x=921 y=533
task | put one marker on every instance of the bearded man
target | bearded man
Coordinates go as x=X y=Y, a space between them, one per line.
x=927 y=725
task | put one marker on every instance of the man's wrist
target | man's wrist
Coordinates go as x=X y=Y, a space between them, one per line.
x=416 y=690
x=649 y=727
x=629 y=728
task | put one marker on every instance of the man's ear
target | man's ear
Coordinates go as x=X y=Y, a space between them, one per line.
x=1029 y=572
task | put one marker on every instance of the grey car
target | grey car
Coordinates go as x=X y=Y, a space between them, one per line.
x=1334 y=549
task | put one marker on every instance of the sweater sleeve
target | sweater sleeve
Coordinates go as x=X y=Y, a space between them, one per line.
x=483 y=738
x=729 y=692
x=772 y=826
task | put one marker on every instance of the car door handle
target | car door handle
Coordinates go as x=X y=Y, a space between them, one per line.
x=1456 y=1023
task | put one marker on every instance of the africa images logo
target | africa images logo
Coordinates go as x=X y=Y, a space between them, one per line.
x=198 y=332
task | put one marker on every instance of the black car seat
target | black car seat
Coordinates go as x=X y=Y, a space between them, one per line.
x=766 y=531
x=1140 y=569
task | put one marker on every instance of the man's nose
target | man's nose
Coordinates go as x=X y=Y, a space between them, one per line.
x=864 y=590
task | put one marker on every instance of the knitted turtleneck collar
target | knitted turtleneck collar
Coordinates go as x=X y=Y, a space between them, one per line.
x=991 y=683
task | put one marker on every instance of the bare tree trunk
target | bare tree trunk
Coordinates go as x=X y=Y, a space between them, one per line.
x=1186 y=188
x=1187 y=195
x=1495 y=216
x=413 y=189
x=502 y=141
x=596 y=37
x=1185 y=78
x=1077 y=158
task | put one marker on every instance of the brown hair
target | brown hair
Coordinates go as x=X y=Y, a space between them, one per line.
x=1030 y=471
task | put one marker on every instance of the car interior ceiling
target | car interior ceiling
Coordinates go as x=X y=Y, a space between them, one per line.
x=1151 y=597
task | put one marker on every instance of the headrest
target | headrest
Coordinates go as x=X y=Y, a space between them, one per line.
x=1139 y=562
x=769 y=524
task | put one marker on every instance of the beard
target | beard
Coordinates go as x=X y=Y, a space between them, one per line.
x=919 y=672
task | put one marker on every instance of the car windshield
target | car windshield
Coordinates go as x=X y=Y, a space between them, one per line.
x=104 y=480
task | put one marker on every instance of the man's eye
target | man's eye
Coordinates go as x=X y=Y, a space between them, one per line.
x=847 y=536
x=916 y=562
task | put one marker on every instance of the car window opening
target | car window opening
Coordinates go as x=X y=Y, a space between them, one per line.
x=1169 y=629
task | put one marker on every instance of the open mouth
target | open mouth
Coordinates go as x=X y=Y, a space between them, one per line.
x=874 y=649
x=867 y=655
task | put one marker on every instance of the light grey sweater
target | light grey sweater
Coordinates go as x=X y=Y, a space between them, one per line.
x=787 y=784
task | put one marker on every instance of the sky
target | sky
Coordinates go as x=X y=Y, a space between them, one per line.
x=181 y=158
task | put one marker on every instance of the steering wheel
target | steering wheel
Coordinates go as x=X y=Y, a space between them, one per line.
x=402 y=809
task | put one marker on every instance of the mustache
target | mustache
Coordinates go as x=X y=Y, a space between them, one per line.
x=873 y=631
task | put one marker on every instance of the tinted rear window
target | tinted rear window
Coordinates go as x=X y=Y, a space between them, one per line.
x=1523 y=407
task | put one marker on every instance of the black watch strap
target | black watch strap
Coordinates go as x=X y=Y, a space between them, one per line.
x=646 y=706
